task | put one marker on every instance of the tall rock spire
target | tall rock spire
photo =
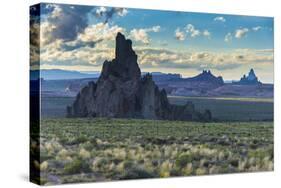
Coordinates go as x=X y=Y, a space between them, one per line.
x=123 y=48
x=120 y=92
x=125 y=63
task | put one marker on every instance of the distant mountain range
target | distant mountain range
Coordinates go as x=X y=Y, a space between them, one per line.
x=58 y=74
x=68 y=83
x=205 y=76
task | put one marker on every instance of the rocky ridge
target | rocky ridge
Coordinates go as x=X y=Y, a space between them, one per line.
x=207 y=76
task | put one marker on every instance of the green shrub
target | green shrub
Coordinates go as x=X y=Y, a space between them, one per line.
x=76 y=166
x=183 y=159
x=128 y=164
x=259 y=154
x=234 y=162
x=82 y=139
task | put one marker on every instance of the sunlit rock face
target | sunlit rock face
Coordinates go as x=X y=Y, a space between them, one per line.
x=121 y=92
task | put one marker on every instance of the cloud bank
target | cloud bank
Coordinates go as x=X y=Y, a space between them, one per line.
x=89 y=44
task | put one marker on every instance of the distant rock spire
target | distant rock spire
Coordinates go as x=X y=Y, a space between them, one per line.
x=251 y=79
x=252 y=75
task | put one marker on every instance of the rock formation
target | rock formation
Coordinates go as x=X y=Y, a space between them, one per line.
x=251 y=79
x=207 y=76
x=121 y=92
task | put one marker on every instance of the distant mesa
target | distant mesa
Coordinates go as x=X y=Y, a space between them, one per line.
x=160 y=77
x=251 y=79
x=199 y=85
x=207 y=76
x=121 y=92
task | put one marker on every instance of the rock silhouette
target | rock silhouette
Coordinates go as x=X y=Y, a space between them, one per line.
x=207 y=76
x=251 y=79
x=121 y=92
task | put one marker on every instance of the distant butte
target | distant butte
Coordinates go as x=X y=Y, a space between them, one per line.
x=207 y=76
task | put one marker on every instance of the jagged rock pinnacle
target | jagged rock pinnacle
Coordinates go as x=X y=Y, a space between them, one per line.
x=120 y=92
x=123 y=48
x=251 y=79
x=125 y=62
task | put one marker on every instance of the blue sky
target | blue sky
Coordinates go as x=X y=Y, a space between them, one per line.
x=170 y=21
x=81 y=38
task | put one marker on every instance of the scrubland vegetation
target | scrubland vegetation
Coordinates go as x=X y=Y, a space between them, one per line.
x=83 y=150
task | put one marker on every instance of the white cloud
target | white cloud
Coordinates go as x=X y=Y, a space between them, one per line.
x=179 y=34
x=48 y=27
x=100 y=11
x=220 y=18
x=142 y=34
x=199 y=56
x=240 y=33
x=192 y=31
x=56 y=53
x=100 y=31
x=46 y=30
x=81 y=56
x=109 y=13
x=57 y=12
x=228 y=37
x=206 y=33
x=257 y=28
x=122 y=12
x=156 y=28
